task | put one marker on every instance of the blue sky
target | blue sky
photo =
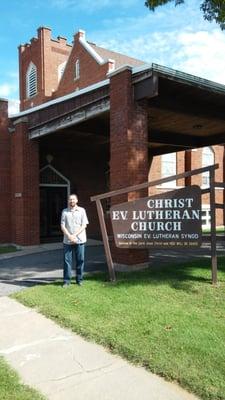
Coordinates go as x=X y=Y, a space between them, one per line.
x=177 y=37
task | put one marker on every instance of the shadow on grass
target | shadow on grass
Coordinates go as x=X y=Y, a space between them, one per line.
x=178 y=276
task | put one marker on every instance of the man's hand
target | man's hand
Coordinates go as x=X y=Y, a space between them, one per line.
x=73 y=238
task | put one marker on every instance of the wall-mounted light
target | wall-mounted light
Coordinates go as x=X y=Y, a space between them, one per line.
x=49 y=158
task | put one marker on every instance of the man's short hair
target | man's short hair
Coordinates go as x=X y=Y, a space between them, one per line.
x=73 y=194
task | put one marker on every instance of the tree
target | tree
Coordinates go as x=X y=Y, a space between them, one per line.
x=213 y=10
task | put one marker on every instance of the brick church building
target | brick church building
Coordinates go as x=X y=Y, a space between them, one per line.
x=93 y=120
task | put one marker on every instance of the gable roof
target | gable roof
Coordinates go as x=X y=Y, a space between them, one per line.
x=120 y=59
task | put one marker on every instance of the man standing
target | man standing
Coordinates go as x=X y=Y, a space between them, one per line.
x=73 y=224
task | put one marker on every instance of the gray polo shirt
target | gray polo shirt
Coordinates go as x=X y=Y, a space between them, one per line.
x=72 y=220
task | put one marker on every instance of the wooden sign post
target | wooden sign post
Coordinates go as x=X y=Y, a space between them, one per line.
x=178 y=213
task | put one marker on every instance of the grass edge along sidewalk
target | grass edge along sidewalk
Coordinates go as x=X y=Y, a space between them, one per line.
x=169 y=319
x=11 y=387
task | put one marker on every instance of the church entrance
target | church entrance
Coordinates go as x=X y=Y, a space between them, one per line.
x=54 y=191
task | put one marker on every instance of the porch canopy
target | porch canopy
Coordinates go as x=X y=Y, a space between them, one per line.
x=184 y=111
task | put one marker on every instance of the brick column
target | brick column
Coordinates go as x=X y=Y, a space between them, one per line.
x=187 y=163
x=25 y=186
x=180 y=156
x=129 y=151
x=5 y=187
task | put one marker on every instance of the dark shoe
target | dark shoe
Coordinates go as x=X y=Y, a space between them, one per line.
x=79 y=283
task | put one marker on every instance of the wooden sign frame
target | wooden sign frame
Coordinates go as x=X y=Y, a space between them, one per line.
x=211 y=190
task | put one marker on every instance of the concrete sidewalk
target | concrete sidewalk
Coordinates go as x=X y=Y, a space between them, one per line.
x=63 y=366
x=41 y=264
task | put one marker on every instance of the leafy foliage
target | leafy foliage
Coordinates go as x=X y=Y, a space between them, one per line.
x=213 y=10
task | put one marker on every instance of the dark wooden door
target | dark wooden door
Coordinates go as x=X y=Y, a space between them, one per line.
x=52 y=202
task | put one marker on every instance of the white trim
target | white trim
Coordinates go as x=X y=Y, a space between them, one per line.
x=74 y=94
x=31 y=80
x=206 y=208
x=63 y=98
x=53 y=185
x=92 y=52
x=168 y=186
x=141 y=68
x=77 y=70
x=61 y=69
x=67 y=184
x=122 y=68
x=57 y=172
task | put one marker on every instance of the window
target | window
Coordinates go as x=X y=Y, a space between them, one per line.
x=77 y=70
x=61 y=69
x=31 y=80
x=207 y=159
x=205 y=216
x=169 y=167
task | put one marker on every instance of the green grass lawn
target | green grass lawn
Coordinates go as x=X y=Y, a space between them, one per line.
x=11 y=388
x=169 y=319
x=7 y=249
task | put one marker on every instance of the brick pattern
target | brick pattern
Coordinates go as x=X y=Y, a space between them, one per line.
x=25 y=187
x=187 y=161
x=47 y=54
x=129 y=151
x=129 y=159
x=5 y=187
x=90 y=71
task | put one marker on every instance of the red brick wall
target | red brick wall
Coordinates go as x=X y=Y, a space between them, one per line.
x=47 y=54
x=25 y=187
x=5 y=188
x=90 y=70
x=189 y=161
x=129 y=150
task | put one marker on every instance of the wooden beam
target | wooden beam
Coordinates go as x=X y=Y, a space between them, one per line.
x=70 y=119
x=189 y=106
x=214 y=139
x=166 y=149
x=175 y=139
x=154 y=183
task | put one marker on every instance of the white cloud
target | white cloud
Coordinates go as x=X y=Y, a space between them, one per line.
x=9 y=85
x=5 y=89
x=200 y=53
x=14 y=107
x=203 y=53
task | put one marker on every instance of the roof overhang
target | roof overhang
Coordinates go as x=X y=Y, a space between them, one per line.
x=184 y=111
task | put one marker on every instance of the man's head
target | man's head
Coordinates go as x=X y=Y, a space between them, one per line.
x=73 y=200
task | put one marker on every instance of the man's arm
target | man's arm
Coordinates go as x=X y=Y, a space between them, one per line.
x=73 y=238
x=81 y=229
x=66 y=232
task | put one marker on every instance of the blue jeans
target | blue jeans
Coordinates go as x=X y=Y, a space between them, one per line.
x=73 y=252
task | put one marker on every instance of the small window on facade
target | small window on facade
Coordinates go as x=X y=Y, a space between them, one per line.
x=61 y=69
x=77 y=70
x=169 y=167
x=206 y=216
x=31 y=80
x=207 y=159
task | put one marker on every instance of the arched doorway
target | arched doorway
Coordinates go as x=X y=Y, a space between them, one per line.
x=54 y=191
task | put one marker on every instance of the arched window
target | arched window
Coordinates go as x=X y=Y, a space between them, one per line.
x=31 y=80
x=77 y=70
x=61 y=69
x=169 y=167
x=208 y=158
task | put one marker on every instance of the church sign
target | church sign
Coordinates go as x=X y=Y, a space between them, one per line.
x=171 y=219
